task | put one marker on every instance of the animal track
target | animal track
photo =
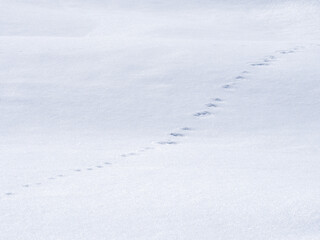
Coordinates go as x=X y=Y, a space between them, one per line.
x=167 y=143
x=227 y=86
x=200 y=114
x=210 y=105
x=259 y=64
x=128 y=154
x=265 y=62
x=286 y=51
x=177 y=134
x=271 y=57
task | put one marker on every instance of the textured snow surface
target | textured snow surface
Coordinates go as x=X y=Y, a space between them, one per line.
x=167 y=120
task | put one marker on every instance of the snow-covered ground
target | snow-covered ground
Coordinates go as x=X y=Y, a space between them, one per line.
x=159 y=120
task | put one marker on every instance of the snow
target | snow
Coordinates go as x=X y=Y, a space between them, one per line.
x=159 y=120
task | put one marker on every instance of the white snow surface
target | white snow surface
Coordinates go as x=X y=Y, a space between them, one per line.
x=164 y=120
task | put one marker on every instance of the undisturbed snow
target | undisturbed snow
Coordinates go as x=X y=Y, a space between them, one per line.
x=159 y=120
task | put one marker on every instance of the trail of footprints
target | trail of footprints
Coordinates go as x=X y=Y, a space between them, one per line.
x=174 y=136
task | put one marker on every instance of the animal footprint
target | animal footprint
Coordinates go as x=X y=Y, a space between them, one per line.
x=99 y=166
x=211 y=105
x=177 y=134
x=9 y=193
x=227 y=86
x=129 y=154
x=107 y=163
x=286 y=51
x=271 y=57
x=217 y=99
x=200 y=114
x=259 y=64
x=186 y=129
x=167 y=143
x=299 y=47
